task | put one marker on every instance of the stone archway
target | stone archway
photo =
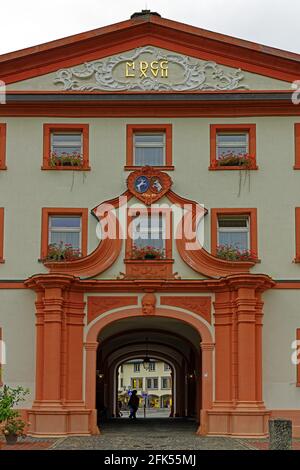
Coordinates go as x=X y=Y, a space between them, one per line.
x=195 y=321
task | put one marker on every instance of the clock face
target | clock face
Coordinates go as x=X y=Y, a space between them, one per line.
x=141 y=184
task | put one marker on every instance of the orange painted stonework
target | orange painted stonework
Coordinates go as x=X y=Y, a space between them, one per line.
x=98 y=305
x=199 y=305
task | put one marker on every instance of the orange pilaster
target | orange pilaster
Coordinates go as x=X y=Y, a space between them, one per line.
x=206 y=384
x=246 y=346
x=90 y=385
x=73 y=350
x=58 y=408
x=224 y=387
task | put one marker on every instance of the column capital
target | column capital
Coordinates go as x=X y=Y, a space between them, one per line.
x=207 y=346
x=40 y=282
x=91 y=345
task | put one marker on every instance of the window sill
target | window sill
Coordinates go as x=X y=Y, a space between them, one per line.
x=2 y=261
x=148 y=261
x=226 y=168
x=66 y=168
x=161 y=168
x=296 y=167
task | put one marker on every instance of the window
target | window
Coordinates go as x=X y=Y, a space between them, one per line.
x=234 y=231
x=297 y=146
x=66 y=143
x=149 y=145
x=121 y=382
x=232 y=142
x=166 y=382
x=297 y=224
x=1 y=235
x=68 y=226
x=149 y=149
x=66 y=147
x=234 y=227
x=149 y=228
x=137 y=383
x=167 y=367
x=152 y=383
x=65 y=229
x=136 y=367
x=232 y=146
x=2 y=146
x=151 y=366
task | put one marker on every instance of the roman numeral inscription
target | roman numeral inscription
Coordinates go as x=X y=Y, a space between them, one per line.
x=144 y=69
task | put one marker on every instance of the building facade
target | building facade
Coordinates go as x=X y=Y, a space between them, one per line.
x=152 y=381
x=140 y=169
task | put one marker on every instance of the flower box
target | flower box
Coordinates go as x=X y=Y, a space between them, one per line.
x=231 y=253
x=66 y=159
x=62 y=252
x=235 y=160
x=147 y=253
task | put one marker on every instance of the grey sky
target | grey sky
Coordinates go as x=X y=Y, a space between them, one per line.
x=26 y=23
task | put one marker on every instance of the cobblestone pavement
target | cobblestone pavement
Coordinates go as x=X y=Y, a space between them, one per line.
x=149 y=434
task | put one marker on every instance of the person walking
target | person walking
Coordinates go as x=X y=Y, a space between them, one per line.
x=133 y=404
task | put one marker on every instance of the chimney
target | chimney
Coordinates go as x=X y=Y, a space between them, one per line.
x=144 y=14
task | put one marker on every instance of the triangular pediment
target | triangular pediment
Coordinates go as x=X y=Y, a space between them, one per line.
x=150 y=68
x=197 y=60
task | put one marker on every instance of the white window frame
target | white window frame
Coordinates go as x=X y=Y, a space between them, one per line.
x=149 y=145
x=64 y=229
x=234 y=229
x=136 y=367
x=161 y=228
x=231 y=144
x=66 y=144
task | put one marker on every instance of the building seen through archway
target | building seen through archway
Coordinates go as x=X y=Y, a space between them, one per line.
x=153 y=381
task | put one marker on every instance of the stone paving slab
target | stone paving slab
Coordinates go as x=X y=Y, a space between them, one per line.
x=149 y=434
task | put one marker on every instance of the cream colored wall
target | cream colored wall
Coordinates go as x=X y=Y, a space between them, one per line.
x=17 y=320
x=281 y=319
x=25 y=188
x=128 y=373
x=252 y=80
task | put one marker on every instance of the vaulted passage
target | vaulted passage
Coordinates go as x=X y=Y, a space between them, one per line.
x=167 y=340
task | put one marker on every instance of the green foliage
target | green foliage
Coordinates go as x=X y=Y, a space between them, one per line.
x=10 y=420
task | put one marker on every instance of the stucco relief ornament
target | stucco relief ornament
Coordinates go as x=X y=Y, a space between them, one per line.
x=192 y=74
x=148 y=184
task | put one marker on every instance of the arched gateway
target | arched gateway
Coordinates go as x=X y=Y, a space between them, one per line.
x=178 y=318
x=211 y=325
